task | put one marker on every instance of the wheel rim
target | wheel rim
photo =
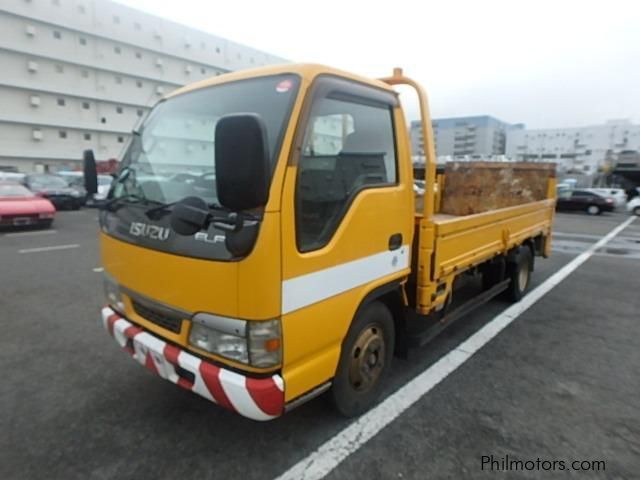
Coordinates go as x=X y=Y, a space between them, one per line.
x=523 y=277
x=593 y=210
x=367 y=358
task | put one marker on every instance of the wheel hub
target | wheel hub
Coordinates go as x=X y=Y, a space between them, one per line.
x=367 y=358
x=523 y=277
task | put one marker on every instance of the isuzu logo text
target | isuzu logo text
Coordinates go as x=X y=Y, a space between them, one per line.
x=139 y=229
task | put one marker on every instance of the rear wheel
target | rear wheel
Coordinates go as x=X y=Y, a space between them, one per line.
x=593 y=210
x=519 y=272
x=45 y=223
x=364 y=361
x=636 y=211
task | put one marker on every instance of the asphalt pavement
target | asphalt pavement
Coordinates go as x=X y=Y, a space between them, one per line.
x=561 y=383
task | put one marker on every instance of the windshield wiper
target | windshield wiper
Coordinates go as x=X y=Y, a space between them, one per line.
x=112 y=203
x=152 y=213
x=166 y=208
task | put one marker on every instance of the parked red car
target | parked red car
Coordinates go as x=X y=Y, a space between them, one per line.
x=19 y=206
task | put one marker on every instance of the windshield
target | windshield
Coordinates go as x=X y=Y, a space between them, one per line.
x=47 y=181
x=172 y=155
x=14 y=191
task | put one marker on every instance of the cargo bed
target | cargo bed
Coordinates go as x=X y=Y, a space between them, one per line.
x=449 y=244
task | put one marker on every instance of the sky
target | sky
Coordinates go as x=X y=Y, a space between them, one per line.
x=548 y=64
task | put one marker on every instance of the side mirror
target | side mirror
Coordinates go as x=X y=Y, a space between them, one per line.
x=90 y=172
x=242 y=162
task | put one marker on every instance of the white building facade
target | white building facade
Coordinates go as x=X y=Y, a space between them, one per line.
x=463 y=137
x=575 y=150
x=80 y=74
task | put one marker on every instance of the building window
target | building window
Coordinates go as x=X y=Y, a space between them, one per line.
x=37 y=134
x=84 y=73
x=82 y=9
x=116 y=19
x=119 y=110
x=55 y=2
x=138 y=55
x=86 y=105
x=62 y=133
x=203 y=71
x=120 y=139
x=61 y=102
x=117 y=50
x=82 y=40
x=139 y=84
x=217 y=49
x=87 y=136
x=137 y=26
x=59 y=68
x=118 y=79
x=139 y=112
x=57 y=34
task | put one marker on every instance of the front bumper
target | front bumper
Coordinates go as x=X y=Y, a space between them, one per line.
x=256 y=398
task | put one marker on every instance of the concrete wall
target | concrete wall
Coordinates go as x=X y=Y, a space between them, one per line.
x=80 y=74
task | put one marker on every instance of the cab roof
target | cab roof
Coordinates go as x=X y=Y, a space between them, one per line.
x=307 y=71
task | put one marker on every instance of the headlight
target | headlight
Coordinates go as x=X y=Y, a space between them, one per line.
x=75 y=193
x=112 y=293
x=229 y=346
x=255 y=343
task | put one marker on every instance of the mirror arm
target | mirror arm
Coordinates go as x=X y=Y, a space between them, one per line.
x=233 y=223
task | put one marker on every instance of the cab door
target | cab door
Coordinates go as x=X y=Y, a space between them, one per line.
x=347 y=219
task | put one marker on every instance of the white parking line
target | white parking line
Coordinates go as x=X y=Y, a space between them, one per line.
x=335 y=450
x=30 y=234
x=48 y=249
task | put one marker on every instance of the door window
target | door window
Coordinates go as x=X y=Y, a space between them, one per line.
x=348 y=147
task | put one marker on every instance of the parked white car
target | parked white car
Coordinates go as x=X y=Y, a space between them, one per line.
x=104 y=184
x=633 y=206
x=12 y=176
x=618 y=195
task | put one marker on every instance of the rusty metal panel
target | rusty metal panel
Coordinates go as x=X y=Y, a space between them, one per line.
x=476 y=187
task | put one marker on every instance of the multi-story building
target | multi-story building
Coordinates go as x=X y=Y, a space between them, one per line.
x=481 y=135
x=578 y=149
x=80 y=74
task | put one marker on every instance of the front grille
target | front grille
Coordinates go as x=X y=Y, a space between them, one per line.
x=158 y=316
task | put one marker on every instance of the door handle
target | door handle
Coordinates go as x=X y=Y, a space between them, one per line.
x=395 y=241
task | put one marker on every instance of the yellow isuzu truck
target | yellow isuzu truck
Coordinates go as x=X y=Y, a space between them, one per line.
x=261 y=244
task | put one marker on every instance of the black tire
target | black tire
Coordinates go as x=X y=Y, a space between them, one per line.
x=519 y=272
x=636 y=211
x=354 y=391
x=45 y=223
x=594 y=210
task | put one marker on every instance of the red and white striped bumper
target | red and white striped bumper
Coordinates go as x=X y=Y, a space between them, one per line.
x=258 y=399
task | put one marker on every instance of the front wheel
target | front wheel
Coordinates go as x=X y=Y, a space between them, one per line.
x=593 y=210
x=364 y=361
x=636 y=211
